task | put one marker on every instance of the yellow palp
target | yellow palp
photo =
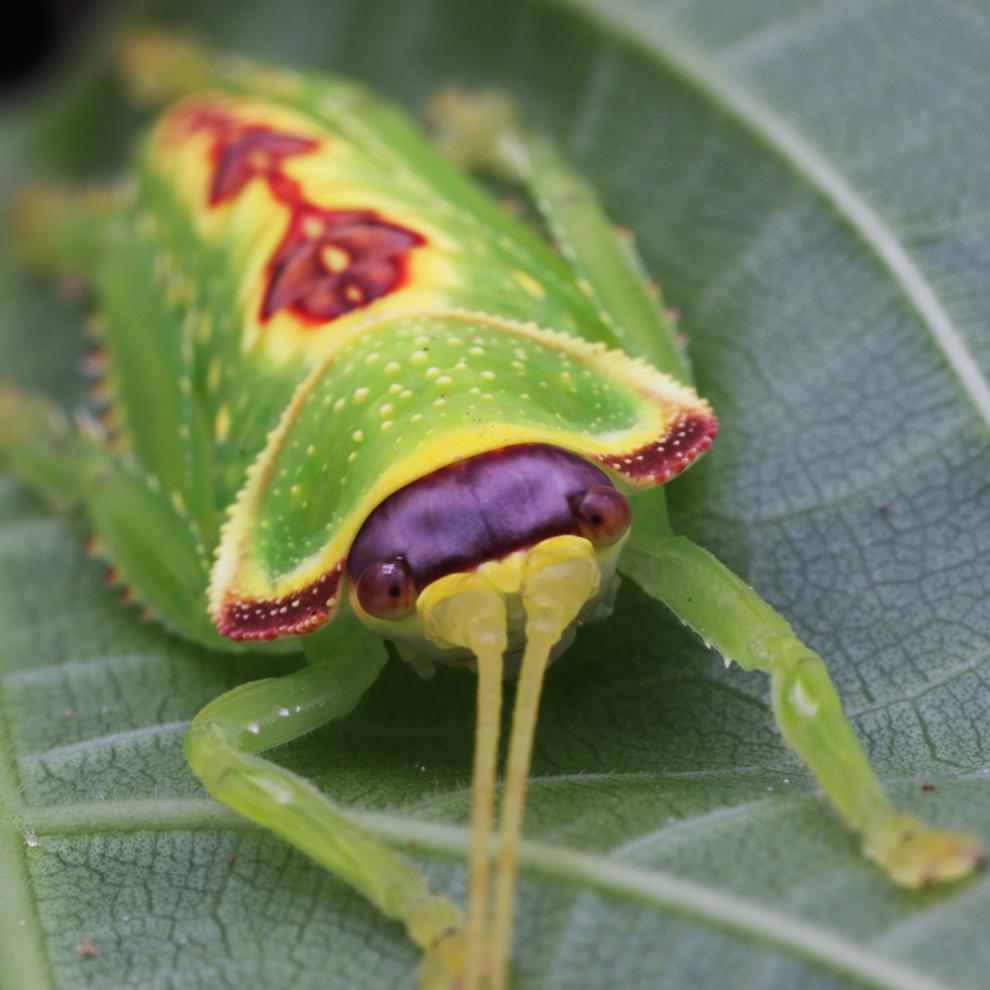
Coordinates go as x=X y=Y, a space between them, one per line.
x=561 y=576
x=466 y=610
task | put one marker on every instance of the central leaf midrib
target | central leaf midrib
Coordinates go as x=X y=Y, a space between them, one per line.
x=591 y=871
x=805 y=159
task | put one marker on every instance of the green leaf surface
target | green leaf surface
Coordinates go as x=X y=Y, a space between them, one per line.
x=810 y=180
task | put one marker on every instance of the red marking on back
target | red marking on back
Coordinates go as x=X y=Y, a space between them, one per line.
x=329 y=261
x=242 y=152
x=302 y=612
x=688 y=438
x=369 y=252
x=255 y=153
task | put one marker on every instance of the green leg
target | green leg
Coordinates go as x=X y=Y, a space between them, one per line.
x=730 y=616
x=40 y=447
x=477 y=130
x=143 y=532
x=58 y=229
x=221 y=748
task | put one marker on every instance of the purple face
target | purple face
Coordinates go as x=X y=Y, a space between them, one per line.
x=479 y=509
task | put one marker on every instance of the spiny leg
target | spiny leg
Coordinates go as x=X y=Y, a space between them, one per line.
x=478 y=130
x=465 y=610
x=41 y=447
x=727 y=613
x=134 y=524
x=57 y=229
x=702 y=592
x=221 y=747
x=559 y=580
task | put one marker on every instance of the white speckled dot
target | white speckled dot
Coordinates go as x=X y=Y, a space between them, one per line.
x=360 y=394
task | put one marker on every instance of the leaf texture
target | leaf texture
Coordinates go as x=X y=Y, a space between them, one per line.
x=809 y=180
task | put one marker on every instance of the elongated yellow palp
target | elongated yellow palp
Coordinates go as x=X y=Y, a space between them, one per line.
x=561 y=576
x=465 y=610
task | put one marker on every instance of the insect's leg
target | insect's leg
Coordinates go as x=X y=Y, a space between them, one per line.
x=57 y=229
x=222 y=747
x=477 y=130
x=560 y=578
x=730 y=616
x=139 y=528
x=157 y=66
x=40 y=446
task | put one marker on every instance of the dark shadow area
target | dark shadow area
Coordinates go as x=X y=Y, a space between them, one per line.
x=35 y=35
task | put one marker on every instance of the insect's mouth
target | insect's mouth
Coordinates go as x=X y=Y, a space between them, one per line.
x=552 y=585
x=492 y=563
x=483 y=515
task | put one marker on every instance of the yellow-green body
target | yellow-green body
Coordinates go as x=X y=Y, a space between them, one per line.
x=274 y=435
x=261 y=400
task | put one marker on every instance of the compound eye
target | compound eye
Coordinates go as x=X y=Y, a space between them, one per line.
x=602 y=513
x=386 y=590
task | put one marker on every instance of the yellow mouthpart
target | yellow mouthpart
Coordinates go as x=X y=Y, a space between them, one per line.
x=419 y=633
x=529 y=599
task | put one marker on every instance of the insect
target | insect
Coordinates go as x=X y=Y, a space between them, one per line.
x=351 y=400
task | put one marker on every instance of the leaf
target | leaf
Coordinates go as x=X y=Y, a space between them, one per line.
x=810 y=182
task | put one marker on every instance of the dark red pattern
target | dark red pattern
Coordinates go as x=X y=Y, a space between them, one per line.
x=333 y=261
x=330 y=261
x=256 y=152
x=294 y=615
x=689 y=437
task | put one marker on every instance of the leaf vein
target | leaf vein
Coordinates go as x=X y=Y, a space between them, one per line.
x=651 y=34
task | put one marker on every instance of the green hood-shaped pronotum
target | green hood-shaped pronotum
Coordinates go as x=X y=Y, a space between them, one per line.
x=399 y=397
x=354 y=316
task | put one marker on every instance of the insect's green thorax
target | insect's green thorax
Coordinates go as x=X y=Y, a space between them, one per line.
x=330 y=321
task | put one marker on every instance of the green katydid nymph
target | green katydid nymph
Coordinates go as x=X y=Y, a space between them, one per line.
x=351 y=400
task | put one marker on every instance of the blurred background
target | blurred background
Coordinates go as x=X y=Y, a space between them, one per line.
x=35 y=38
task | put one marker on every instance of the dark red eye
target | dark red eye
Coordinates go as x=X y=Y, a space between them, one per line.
x=603 y=514
x=386 y=590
